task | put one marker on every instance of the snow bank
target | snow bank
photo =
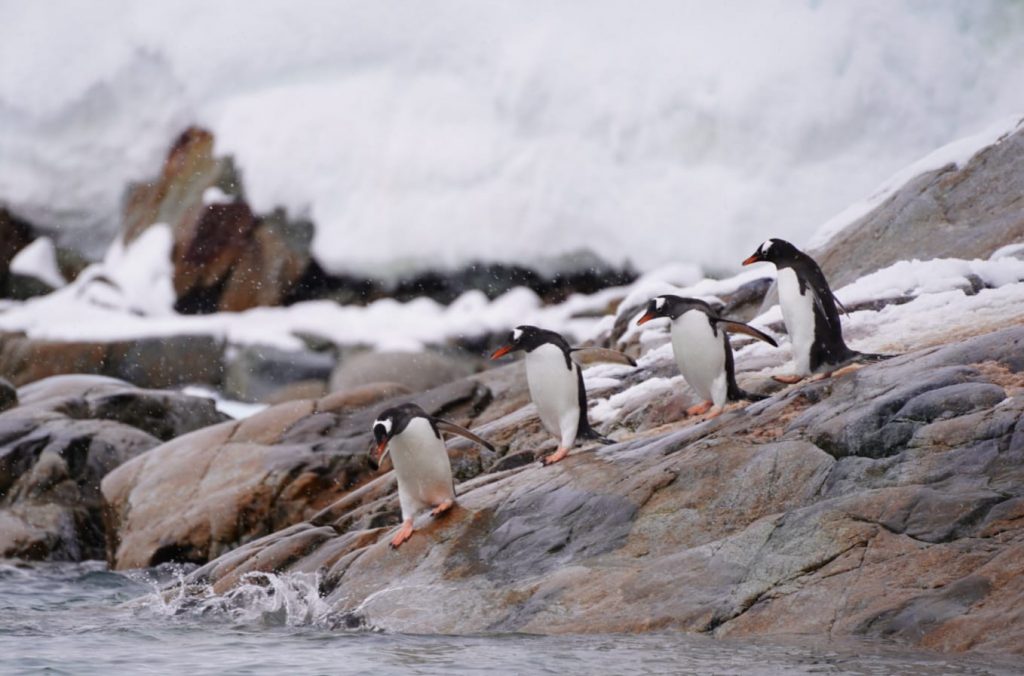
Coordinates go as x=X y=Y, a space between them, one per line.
x=945 y=307
x=439 y=133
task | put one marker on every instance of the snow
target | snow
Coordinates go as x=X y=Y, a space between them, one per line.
x=214 y=195
x=236 y=409
x=655 y=132
x=39 y=260
x=956 y=153
x=942 y=310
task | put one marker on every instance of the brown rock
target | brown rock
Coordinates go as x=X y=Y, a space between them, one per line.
x=225 y=257
x=147 y=362
x=234 y=482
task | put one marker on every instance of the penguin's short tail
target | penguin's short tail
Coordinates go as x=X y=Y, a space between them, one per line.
x=871 y=357
x=590 y=435
x=738 y=394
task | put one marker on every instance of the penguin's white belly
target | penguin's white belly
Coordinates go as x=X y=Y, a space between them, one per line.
x=422 y=467
x=700 y=355
x=555 y=391
x=798 y=313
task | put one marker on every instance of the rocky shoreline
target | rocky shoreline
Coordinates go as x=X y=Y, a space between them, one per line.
x=887 y=502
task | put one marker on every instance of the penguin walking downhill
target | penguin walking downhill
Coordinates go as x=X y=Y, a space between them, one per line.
x=810 y=311
x=556 y=384
x=413 y=440
x=702 y=349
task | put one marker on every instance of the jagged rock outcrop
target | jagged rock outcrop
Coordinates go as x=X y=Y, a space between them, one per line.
x=225 y=256
x=962 y=212
x=885 y=502
x=58 y=443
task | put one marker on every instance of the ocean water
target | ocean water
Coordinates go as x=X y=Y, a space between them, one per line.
x=84 y=619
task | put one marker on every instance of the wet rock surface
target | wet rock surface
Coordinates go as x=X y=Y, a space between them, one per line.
x=56 y=446
x=203 y=494
x=886 y=502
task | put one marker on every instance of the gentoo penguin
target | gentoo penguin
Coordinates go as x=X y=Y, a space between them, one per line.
x=702 y=350
x=424 y=473
x=556 y=385
x=809 y=309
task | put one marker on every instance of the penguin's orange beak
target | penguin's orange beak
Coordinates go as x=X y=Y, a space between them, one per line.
x=751 y=259
x=382 y=451
x=648 y=316
x=501 y=352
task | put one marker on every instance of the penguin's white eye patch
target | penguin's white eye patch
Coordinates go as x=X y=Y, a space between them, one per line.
x=516 y=334
x=385 y=423
x=659 y=302
x=765 y=247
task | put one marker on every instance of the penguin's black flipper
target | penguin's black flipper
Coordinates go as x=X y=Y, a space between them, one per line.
x=746 y=329
x=452 y=428
x=603 y=354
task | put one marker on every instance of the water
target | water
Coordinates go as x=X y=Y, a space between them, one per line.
x=83 y=619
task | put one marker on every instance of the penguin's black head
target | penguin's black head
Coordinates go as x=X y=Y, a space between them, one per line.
x=389 y=423
x=773 y=251
x=528 y=338
x=670 y=306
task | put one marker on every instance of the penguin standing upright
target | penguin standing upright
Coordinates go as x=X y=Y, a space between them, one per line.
x=809 y=309
x=702 y=349
x=413 y=440
x=556 y=385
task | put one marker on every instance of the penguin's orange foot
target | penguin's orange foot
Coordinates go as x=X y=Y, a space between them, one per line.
x=403 y=534
x=442 y=508
x=715 y=412
x=556 y=456
x=699 y=409
x=787 y=380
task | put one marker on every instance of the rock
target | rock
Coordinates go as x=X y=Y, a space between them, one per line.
x=270 y=265
x=966 y=212
x=147 y=362
x=225 y=256
x=256 y=371
x=582 y=272
x=418 y=371
x=15 y=235
x=59 y=443
x=303 y=389
x=766 y=521
x=23 y=287
x=8 y=395
x=203 y=494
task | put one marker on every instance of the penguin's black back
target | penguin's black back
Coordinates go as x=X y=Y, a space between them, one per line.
x=828 y=346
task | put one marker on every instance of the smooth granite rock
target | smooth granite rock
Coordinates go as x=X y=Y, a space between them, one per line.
x=886 y=502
